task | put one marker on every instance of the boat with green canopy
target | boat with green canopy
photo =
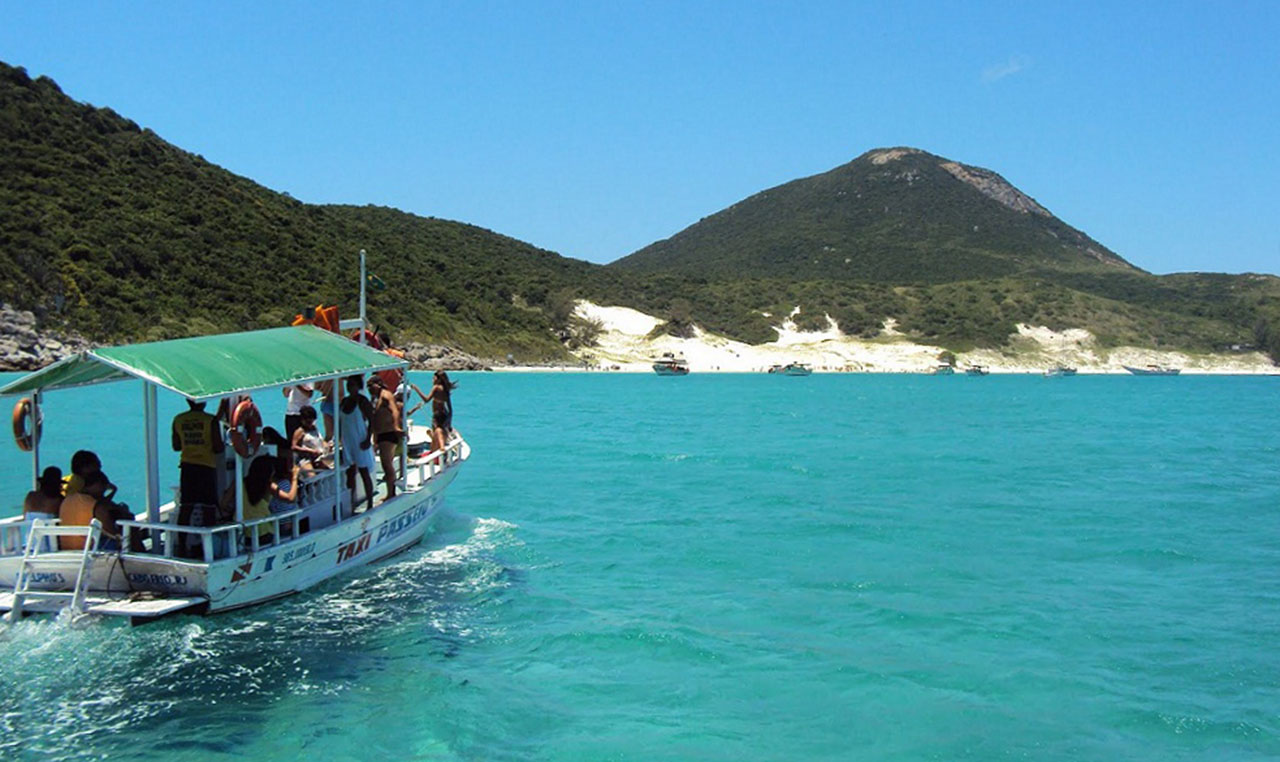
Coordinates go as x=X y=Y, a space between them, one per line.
x=167 y=562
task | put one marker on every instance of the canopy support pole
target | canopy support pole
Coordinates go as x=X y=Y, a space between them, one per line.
x=239 y=489
x=338 y=453
x=403 y=482
x=153 y=451
x=364 y=324
x=35 y=440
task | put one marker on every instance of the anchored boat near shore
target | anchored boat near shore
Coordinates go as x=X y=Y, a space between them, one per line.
x=231 y=563
x=1153 y=370
x=670 y=365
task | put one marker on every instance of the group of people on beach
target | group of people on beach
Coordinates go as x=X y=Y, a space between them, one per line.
x=376 y=424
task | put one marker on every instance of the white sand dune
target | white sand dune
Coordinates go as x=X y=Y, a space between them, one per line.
x=1033 y=349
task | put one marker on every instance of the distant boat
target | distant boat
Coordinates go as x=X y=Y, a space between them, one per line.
x=1153 y=370
x=796 y=369
x=943 y=370
x=670 y=365
x=977 y=370
x=1059 y=371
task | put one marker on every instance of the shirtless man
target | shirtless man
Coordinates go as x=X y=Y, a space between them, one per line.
x=46 y=499
x=387 y=430
x=91 y=502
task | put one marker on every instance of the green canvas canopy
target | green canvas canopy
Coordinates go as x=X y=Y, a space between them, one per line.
x=208 y=367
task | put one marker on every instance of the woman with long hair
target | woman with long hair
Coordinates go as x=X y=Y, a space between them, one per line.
x=441 y=410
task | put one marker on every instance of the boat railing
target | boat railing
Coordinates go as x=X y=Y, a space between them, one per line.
x=216 y=542
x=316 y=487
x=14 y=531
x=431 y=463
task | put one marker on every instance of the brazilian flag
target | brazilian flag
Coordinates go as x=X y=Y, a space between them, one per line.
x=374 y=283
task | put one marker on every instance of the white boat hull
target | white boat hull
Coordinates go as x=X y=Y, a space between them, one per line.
x=273 y=571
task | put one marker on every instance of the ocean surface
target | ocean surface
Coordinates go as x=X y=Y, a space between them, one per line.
x=736 y=567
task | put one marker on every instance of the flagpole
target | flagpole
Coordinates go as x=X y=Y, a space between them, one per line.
x=364 y=325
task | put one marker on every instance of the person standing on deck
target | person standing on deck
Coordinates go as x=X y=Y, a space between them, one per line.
x=441 y=410
x=198 y=437
x=354 y=415
x=297 y=397
x=387 y=430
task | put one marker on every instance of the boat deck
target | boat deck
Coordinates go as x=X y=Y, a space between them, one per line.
x=137 y=609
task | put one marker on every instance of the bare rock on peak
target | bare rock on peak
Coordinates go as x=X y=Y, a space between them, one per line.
x=995 y=187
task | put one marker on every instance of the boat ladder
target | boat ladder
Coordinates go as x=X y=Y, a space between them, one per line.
x=41 y=552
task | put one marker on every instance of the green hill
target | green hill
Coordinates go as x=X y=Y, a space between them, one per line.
x=107 y=229
x=896 y=215
x=954 y=253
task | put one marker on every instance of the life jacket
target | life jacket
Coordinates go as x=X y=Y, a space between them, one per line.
x=325 y=317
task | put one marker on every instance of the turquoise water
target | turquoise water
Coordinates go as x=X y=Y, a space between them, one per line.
x=850 y=567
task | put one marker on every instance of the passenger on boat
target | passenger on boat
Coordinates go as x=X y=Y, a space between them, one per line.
x=297 y=397
x=197 y=436
x=228 y=405
x=325 y=388
x=308 y=447
x=387 y=430
x=284 y=484
x=258 y=488
x=92 y=502
x=441 y=410
x=44 y=501
x=83 y=463
x=273 y=438
x=402 y=396
x=355 y=413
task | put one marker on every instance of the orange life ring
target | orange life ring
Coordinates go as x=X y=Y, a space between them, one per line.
x=246 y=416
x=25 y=433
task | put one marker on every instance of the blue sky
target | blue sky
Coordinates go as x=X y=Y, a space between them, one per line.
x=595 y=128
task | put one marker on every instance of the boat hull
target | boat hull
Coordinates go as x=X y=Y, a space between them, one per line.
x=1153 y=371
x=271 y=572
x=665 y=370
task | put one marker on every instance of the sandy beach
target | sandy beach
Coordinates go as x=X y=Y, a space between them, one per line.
x=623 y=347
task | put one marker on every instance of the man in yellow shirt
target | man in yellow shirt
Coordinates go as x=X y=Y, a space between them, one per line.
x=199 y=438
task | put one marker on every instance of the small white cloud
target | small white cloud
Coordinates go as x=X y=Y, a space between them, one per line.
x=998 y=72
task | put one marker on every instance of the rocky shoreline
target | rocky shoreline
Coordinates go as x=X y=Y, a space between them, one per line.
x=25 y=347
x=438 y=357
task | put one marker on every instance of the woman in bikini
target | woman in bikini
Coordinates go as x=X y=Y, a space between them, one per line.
x=441 y=410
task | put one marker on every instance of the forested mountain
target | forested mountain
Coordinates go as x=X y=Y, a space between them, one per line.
x=894 y=215
x=108 y=230
x=111 y=231
x=953 y=252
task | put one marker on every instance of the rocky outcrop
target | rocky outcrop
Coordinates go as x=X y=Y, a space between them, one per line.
x=995 y=187
x=24 y=347
x=437 y=357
